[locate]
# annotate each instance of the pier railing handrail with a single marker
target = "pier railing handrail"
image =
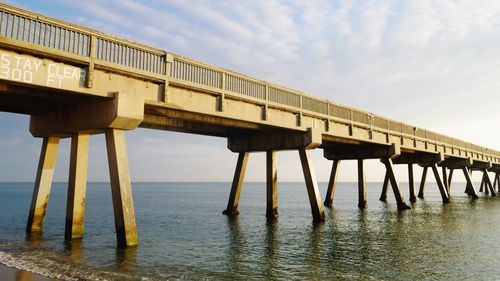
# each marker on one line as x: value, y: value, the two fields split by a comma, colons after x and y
x: 69, y: 42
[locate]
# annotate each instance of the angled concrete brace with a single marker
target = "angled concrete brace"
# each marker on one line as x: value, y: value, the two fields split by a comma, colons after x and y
x: 487, y: 183
x: 332, y: 183
x: 270, y: 143
x: 237, y: 185
x: 445, y: 179
x: 312, y: 185
x: 485, y: 180
x: 450, y: 177
x: 77, y: 186
x: 121, y: 189
x: 43, y: 184
x: 395, y: 185
x: 422, y: 183
x: 496, y: 182
x: 469, y: 188
x: 481, y: 187
x: 339, y: 152
x: 385, y: 187
x: 442, y: 188
x: 425, y: 160
x: 411, y: 185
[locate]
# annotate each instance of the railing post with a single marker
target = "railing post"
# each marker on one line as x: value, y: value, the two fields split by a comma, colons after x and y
x: 169, y: 59
x: 264, y: 113
x: 92, y: 55
x: 222, y: 92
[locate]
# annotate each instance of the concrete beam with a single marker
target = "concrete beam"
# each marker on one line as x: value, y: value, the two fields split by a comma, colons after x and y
x: 357, y: 152
x: 43, y: 184
x: 124, y: 112
x: 480, y: 166
x: 423, y: 159
x: 286, y: 140
x: 77, y: 186
x: 495, y: 168
x: 121, y: 189
x: 456, y: 163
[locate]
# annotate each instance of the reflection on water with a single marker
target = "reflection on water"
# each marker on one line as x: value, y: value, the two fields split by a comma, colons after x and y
x: 271, y: 248
x: 183, y: 236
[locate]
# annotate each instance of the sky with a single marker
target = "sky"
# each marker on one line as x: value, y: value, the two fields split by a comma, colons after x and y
x: 433, y: 64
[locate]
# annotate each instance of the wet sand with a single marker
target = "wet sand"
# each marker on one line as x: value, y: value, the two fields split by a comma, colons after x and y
x: 14, y: 274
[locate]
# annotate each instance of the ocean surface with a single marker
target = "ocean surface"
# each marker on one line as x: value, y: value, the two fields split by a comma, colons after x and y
x: 184, y: 236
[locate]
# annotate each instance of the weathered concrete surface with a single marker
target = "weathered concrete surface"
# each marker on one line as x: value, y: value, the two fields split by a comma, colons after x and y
x: 43, y: 184
x: 121, y: 189
x: 77, y: 186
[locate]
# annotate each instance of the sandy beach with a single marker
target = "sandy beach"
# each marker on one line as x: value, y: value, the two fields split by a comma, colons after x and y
x: 14, y: 274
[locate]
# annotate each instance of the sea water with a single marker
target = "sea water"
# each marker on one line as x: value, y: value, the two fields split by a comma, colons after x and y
x: 184, y: 236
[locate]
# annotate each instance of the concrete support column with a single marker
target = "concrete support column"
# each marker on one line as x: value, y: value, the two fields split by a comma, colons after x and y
x: 332, y: 184
x: 385, y: 187
x: 239, y: 175
x: 445, y: 180
x: 495, y: 181
x: 422, y: 183
x: 411, y: 182
x: 121, y: 190
x: 271, y: 185
x: 43, y: 184
x: 442, y: 188
x: 481, y: 187
x: 311, y: 185
x: 395, y: 185
x: 469, y: 188
x: 362, y: 203
x: 450, y: 177
x: 77, y: 186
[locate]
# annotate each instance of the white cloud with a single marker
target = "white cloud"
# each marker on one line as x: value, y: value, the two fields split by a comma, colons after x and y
x: 431, y: 63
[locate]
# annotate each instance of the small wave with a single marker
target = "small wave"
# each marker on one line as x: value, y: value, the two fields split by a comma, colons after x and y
x: 46, y: 264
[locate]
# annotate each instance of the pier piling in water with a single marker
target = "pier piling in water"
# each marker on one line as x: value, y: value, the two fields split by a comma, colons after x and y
x: 121, y: 189
x: 411, y: 183
x: 271, y: 185
x: 43, y: 184
x: 237, y: 185
x: 362, y: 202
x: 77, y: 186
x: 332, y: 183
x: 160, y: 90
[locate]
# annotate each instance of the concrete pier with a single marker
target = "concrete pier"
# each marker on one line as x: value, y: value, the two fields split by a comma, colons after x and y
x: 101, y: 90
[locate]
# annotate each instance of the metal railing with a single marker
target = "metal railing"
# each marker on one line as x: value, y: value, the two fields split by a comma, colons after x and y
x: 66, y: 39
